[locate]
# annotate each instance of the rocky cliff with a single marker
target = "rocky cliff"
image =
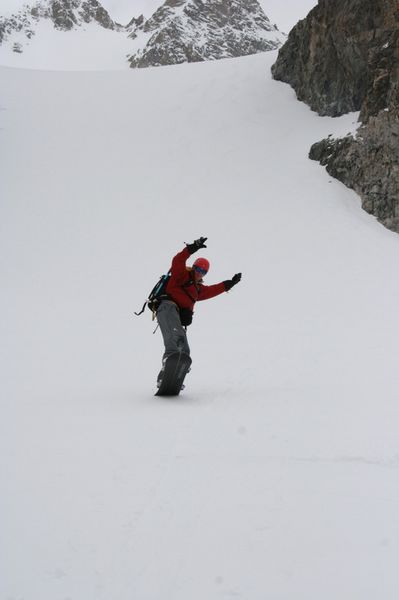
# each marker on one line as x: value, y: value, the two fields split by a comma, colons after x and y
x: 197, y: 30
x: 369, y: 164
x: 345, y: 57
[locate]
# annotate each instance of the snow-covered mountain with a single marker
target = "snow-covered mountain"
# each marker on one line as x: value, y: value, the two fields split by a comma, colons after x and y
x: 80, y: 34
x: 63, y: 35
x: 63, y: 14
x: 198, y: 30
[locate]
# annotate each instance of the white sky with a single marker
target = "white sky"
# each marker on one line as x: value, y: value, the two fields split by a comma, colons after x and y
x: 285, y: 13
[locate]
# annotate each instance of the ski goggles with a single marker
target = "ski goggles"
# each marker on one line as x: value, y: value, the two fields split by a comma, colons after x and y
x: 200, y: 270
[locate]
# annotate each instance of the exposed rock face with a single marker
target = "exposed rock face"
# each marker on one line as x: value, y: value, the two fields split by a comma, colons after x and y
x: 369, y: 164
x: 341, y: 54
x: 64, y: 14
x: 345, y: 57
x: 197, y: 30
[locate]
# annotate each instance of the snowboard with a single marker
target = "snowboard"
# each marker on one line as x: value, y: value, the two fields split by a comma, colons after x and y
x: 176, y: 368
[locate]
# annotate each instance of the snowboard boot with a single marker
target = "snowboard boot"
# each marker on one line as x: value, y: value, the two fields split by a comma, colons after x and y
x: 160, y: 374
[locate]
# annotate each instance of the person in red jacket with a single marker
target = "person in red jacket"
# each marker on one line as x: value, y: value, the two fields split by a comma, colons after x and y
x: 184, y: 289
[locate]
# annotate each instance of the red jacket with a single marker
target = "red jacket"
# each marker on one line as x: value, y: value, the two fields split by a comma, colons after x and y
x: 181, y: 287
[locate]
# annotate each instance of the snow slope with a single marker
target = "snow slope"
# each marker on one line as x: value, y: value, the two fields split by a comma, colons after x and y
x: 89, y: 47
x: 275, y: 474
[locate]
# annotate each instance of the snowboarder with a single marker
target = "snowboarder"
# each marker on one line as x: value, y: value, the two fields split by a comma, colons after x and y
x: 184, y: 288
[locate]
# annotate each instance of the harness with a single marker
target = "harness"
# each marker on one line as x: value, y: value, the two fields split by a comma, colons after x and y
x: 187, y: 285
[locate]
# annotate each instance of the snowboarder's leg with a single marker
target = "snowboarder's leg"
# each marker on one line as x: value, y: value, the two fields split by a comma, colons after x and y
x: 173, y: 333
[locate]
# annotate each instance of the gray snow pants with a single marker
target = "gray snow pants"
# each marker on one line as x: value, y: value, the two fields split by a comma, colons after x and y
x: 174, y: 336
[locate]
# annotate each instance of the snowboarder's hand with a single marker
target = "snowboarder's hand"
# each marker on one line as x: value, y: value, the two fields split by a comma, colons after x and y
x: 196, y: 245
x: 233, y: 281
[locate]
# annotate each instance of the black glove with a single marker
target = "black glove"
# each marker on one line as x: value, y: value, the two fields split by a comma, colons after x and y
x: 186, y: 316
x: 196, y: 245
x: 233, y: 281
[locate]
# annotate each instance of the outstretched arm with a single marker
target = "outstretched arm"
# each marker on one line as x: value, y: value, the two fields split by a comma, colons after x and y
x: 210, y: 291
x: 178, y: 268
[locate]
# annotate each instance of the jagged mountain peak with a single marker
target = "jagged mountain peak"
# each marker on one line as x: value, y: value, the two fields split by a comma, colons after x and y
x: 221, y: 12
x: 197, y: 30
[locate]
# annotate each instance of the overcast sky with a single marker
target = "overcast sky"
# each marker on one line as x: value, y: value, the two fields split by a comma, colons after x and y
x: 285, y: 13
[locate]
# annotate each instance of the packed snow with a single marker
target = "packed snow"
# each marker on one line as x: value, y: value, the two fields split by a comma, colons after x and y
x: 274, y: 475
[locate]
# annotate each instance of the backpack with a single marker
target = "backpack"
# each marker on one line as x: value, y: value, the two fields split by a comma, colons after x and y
x: 157, y: 294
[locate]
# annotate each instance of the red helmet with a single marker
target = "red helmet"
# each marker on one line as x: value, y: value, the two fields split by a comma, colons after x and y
x: 202, y: 265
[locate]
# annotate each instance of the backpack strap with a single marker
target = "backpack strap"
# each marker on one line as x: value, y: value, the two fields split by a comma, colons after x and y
x: 142, y: 310
x: 186, y: 285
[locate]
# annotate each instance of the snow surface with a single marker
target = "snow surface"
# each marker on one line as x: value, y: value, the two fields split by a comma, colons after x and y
x: 89, y: 47
x: 275, y: 474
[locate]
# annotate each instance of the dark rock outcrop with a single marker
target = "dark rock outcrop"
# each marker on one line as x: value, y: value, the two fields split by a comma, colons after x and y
x: 369, y: 164
x: 345, y: 57
x: 342, y: 56
x: 197, y: 30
